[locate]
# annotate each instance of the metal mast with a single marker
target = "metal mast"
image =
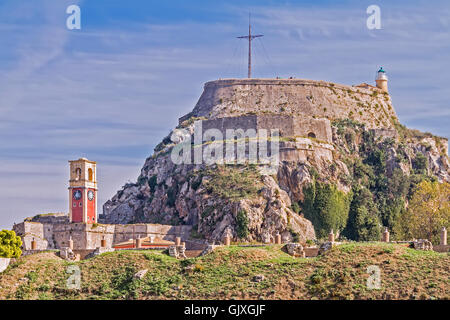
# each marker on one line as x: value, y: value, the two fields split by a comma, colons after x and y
x: 250, y: 37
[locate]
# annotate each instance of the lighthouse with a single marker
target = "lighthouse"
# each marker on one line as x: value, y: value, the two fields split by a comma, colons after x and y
x: 382, y: 80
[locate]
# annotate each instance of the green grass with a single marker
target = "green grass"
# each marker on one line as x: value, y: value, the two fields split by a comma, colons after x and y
x: 227, y: 273
x: 233, y: 182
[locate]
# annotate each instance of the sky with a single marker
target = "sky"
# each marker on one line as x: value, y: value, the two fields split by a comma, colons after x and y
x: 113, y: 89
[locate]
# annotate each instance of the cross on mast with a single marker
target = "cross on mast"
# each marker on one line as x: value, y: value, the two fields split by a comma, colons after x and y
x: 250, y: 37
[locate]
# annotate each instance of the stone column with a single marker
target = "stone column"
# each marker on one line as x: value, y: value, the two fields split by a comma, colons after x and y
x: 103, y: 243
x: 33, y: 244
x: 443, y: 236
x: 386, y: 235
x: 70, y: 243
x: 227, y: 240
x: 331, y: 236
x: 177, y: 241
x: 278, y: 238
x: 138, y: 243
x: 182, y: 251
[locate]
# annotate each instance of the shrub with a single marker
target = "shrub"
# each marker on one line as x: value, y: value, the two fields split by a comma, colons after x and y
x: 199, y: 268
x: 171, y: 197
x: 10, y: 244
x: 295, y: 235
x: 420, y: 164
x: 363, y: 221
x: 295, y: 207
x: 428, y: 212
x: 233, y: 182
x: 141, y: 180
x: 152, y: 182
x: 326, y: 207
x: 242, y: 224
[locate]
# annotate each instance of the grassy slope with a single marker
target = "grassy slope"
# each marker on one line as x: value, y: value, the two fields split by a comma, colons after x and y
x: 228, y: 272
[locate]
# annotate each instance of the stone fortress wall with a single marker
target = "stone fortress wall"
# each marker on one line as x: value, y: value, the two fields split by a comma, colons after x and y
x: 294, y: 97
x: 299, y: 129
x: 48, y: 235
x: 300, y: 109
x: 288, y: 126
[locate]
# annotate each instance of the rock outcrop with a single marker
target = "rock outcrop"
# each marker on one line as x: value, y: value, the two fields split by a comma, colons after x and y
x: 255, y: 202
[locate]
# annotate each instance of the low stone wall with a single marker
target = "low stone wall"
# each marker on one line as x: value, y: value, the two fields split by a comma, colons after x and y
x: 4, y: 263
x: 89, y: 237
x: 311, y: 252
x: 83, y: 253
x: 441, y: 248
x: 195, y: 244
x: 54, y: 218
x: 30, y: 252
x: 166, y: 232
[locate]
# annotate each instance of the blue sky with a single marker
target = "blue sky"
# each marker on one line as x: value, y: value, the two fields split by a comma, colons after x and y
x: 112, y: 90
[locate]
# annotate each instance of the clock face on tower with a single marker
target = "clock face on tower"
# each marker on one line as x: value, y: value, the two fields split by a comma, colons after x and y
x: 91, y: 195
x: 77, y: 194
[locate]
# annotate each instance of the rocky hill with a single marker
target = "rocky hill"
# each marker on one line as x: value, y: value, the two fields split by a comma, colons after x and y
x: 235, y: 273
x: 356, y: 146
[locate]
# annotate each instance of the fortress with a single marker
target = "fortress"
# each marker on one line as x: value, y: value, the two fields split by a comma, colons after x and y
x: 301, y: 110
x: 296, y: 97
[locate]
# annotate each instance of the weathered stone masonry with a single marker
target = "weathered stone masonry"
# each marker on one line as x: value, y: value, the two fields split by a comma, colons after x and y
x: 89, y: 237
x: 237, y: 97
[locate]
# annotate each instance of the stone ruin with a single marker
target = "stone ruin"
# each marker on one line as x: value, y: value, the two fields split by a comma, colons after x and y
x: 87, y: 240
x: 423, y: 244
x: 295, y: 250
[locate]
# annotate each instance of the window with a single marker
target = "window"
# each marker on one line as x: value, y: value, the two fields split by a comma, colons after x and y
x: 78, y: 174
x: 311, y: 135
x: 91, y: 174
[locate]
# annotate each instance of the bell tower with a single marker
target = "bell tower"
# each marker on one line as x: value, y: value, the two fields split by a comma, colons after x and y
x: 83, y: 191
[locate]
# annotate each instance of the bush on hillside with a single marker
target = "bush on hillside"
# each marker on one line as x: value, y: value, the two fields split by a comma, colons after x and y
x: 10, y: 244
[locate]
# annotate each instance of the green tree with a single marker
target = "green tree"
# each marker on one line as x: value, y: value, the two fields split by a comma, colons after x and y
x: 363, y: 221
x: 10, y: 244
x: 326, y: 207
x: 427, y: 213
x: 242, y: 224
x: 420, y: 163
x: 367, y: 225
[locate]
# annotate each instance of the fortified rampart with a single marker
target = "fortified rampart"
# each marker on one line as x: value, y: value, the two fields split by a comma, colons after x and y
x: 288, y: 126
x: 300, y: 137
x: 294, y: 97
x: 89, y: 236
